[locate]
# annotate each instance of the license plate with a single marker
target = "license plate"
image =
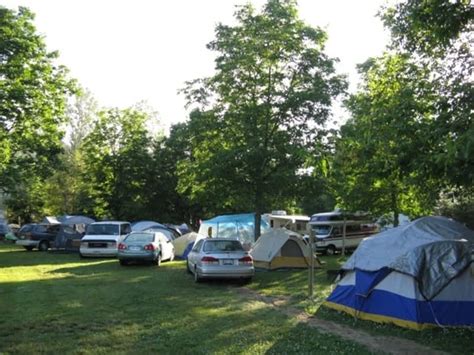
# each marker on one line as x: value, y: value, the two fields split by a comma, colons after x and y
x: 134, y: 248
x: 228, y: 262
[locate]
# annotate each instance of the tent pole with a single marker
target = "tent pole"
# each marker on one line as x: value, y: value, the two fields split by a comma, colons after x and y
x: 311, y: 267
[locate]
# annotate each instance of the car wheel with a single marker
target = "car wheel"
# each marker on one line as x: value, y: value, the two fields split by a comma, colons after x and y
x: 197, y: 278
x: 82, y: 256
x: 157, y: 261
x: 123, y: 262
x: 43, y: 246
x: 28, y: 248
x: 331, y: 250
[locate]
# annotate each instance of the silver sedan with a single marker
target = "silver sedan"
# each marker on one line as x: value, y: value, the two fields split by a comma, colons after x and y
x: 145, y: 246
x: 220, y: 258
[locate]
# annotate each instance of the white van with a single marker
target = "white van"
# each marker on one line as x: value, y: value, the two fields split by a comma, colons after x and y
x: 103, y: 238
x: 328, y: 229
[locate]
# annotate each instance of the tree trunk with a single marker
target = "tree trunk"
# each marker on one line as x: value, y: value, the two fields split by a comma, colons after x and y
x: 395, y: 209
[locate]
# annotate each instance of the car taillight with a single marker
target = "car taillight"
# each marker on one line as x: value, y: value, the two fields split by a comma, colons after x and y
x: 122, y: 246
x: 209, y: 260
x: 246, y: 260
x: 149, y: 247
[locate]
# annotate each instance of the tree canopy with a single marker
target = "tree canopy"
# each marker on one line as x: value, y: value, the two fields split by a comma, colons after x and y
x: 33, y: 93
x: 262, y: 111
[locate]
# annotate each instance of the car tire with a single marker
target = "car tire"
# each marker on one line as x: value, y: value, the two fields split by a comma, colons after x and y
x: 43, y: 246
x: 123, y: 262
x: 82, y: 256
x: 330, y: 250
x: 197, y: 278
x: 28, y: 248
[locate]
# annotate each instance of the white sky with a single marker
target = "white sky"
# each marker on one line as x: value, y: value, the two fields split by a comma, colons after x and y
x: 129, y: 51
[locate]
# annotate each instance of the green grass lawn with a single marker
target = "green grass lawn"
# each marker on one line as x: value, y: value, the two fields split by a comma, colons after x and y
x: 57, y: 303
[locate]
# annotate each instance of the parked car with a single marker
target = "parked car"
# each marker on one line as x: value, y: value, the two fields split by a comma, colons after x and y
x: 103, y: 238
x: 220, y: 258
x: 37, y: 235
x: 145, y: 246
x: 169, y: 233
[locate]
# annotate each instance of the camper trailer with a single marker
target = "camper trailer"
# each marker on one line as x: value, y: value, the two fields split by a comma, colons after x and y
x: 279, y: 219
x: 329, y: 228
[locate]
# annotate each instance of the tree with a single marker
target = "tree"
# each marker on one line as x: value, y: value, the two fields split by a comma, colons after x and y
x: 377, y: 166
x: 116, y: 157
x: 261, y: 111
x: 33, y: 93
x: 438, y: 36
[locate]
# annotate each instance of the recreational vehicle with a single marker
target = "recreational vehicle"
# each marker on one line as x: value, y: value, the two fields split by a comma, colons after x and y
x: 329, y: 228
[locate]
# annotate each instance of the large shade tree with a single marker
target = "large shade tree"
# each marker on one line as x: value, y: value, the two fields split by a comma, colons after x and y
x: 33, y: 94
x: 262, y: 111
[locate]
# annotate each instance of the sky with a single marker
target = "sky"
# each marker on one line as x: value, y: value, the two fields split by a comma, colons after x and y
x: 126, y: 52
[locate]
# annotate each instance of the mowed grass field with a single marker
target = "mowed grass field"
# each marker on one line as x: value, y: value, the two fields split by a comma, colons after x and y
x: 58, y: 303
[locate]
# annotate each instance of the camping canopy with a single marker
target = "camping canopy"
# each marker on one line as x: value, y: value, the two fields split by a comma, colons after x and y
x: 414, y: 275
x: 238, y: 226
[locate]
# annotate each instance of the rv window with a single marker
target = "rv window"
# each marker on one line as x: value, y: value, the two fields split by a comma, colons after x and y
x: 351, y: 228
x: 322, y: 230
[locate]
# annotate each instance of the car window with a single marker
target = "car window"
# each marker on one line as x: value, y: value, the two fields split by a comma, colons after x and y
x: 41, y: 229
x: 166, y: 232
x: 125, y: 229
x: 217, y: 246
x: 103, y: 229
x: 198, y: 245
x: 140, y: 238
x: 69, y: 230
x: 26, y: 228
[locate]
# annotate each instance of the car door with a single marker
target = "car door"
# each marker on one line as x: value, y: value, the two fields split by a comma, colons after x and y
x: 165, y: 246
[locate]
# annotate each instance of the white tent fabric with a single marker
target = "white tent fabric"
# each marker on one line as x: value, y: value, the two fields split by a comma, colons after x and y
x: 181, y: 243
x: 270, y: 243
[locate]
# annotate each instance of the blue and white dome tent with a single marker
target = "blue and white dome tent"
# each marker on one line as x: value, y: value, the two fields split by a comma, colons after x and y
x: 418, y: 275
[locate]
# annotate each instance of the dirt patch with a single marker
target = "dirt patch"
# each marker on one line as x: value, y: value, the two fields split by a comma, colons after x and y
x: 376, y: 344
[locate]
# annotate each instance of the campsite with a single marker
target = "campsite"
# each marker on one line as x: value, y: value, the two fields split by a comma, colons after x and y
x: 57, y: 303
x: 236, y: 177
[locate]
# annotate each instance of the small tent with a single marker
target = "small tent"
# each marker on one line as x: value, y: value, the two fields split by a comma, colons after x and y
x: 184, y: 244
x: 142, y: 225
x: 281, y: 248
x: 418, y: 275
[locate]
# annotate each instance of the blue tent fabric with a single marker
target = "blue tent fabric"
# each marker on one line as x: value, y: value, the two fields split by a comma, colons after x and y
x: 187, y: 251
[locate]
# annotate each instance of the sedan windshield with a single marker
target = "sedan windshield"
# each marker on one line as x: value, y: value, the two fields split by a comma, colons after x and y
x: 103, y: 229
x: 216, y: 246
x: 140, y: 238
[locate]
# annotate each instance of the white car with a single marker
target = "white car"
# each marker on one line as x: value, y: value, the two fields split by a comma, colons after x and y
x: 103, y: 238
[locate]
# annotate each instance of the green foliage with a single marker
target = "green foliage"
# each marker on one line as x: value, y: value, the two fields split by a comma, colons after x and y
x: 260, y: 113
x: 437, y: 34
x: 431, y: 26
x: 116, y: 159
x: 33, y: 91
x: 374, y: 168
